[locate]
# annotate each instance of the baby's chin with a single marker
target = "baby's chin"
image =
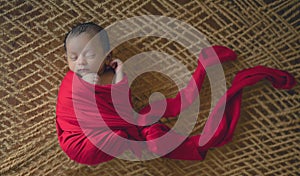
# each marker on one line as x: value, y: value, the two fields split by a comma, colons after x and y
x: 82, y: 73
x: 86, y: 74
x: 78, y: 74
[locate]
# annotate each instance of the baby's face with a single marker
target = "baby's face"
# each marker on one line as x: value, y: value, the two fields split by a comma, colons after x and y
x: 85, y: 54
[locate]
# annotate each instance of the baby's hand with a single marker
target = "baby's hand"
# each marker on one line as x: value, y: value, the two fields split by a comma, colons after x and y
x: 117, y: 65
x: 91, y: 78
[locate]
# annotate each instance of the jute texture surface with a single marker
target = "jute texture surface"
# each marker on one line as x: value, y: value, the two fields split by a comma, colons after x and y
x: 262, y: 32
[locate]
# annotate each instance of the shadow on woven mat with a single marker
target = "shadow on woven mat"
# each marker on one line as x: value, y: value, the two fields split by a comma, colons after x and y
x: 262, y: 32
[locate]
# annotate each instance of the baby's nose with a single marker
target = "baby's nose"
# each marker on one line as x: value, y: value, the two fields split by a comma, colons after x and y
x: 81, y: 60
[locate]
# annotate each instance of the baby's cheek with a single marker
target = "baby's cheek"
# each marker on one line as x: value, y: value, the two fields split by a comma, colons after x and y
x: 71, y: 66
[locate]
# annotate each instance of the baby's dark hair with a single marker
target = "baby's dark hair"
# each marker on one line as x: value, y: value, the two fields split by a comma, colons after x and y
x: 92, y: 29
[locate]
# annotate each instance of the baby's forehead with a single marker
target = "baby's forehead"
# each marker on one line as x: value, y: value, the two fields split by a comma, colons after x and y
x: 84, y: 38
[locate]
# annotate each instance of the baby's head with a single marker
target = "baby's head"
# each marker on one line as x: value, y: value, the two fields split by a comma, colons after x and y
x: 87, y: 45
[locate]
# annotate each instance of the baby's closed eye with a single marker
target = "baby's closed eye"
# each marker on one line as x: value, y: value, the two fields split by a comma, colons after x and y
x: 90, y: 54
x: 73, y: 58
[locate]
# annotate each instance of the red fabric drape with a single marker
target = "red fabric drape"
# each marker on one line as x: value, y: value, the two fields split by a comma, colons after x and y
x: 80, y: 103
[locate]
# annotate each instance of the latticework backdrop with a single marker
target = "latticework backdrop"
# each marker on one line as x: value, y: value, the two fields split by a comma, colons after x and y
x: 262, y: 32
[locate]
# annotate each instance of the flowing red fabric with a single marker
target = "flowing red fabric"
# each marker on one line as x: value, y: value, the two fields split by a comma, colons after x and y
x: 82, y: 133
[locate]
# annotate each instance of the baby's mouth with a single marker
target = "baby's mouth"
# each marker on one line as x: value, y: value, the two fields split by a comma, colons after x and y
x: 82, y: 72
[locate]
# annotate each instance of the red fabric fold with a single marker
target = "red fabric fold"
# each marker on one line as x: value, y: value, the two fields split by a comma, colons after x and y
x: 219, y: 134
x: 208, y: 57
x: 80, y: 104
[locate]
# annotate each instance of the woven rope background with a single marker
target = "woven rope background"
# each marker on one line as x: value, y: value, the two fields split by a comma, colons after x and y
x: 266, y: 140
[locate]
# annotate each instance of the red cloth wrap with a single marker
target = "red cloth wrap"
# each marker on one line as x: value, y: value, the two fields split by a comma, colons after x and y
x: 80, y: 101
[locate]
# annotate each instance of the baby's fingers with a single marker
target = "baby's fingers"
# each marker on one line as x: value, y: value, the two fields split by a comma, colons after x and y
x: 116, y: 64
